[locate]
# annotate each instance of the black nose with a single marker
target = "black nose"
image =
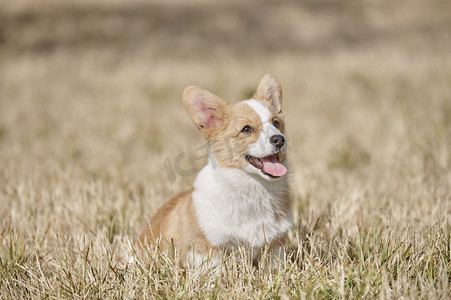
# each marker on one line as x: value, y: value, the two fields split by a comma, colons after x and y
x: 277, y: 140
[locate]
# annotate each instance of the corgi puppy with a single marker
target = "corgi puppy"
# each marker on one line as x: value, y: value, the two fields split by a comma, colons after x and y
x: 240, y: 198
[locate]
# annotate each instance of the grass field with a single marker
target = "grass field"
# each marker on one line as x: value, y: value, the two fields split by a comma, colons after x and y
x: 90, y: 111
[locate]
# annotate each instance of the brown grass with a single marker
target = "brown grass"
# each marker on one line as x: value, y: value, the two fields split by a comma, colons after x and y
x: 91, y: 109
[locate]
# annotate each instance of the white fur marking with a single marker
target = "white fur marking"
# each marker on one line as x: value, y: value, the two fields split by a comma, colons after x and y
x: 235, y: 208
x: 262, y: 111
x: 263, y: 146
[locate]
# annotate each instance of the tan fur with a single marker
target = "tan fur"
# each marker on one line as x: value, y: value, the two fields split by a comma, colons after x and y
x: 269, y: 91
x: 175, y: 223
x: 229, y: 144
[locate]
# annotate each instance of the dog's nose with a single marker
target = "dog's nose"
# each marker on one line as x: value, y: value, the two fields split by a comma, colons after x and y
x: 277, y: 140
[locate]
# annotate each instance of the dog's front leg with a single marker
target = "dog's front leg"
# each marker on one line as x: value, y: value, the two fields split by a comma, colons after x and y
x: 202, y: 262
x: 277, y: 258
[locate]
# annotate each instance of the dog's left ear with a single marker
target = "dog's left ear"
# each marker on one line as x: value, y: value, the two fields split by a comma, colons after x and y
x: 270, y: 91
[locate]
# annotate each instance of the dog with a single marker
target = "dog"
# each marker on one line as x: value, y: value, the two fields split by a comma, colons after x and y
x: 240, y: 199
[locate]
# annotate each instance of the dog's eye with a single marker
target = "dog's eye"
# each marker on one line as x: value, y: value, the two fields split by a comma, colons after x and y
x: 276, y: 124
x: 247, y: 129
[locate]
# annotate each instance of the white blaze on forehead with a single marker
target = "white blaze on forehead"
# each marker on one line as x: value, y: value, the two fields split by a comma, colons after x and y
x: 265, y: 116
x: 262, y: 111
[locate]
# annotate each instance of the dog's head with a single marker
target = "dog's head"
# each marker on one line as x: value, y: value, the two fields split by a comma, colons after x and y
x: 248, y: 135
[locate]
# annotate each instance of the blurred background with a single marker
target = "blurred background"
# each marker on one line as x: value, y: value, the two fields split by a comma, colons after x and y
x: 90, y: 104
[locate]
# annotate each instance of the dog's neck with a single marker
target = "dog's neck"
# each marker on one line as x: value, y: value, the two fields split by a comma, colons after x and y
x: 239, y: 204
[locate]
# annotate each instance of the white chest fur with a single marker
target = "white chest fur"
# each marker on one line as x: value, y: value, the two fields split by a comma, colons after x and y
x: 238, y: 209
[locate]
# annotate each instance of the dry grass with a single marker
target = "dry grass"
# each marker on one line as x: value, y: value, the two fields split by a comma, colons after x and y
x: 90, y: 110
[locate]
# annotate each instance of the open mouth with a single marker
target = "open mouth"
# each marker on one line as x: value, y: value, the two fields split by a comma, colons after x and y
x: 268, y: 165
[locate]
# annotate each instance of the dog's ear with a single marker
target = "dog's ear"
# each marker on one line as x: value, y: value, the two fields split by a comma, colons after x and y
x: 205, y: 109
x: 270, y: 91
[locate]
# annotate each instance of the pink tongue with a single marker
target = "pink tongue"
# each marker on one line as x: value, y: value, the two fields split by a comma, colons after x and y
x: 273, y: 167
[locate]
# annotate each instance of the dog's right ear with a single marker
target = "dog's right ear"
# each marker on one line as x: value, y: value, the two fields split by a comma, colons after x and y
x: 270, y: 91
x: 205, y: 109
